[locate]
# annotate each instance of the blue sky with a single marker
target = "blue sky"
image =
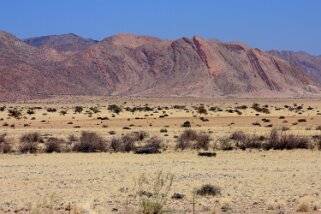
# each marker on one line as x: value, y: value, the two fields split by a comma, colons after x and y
x: 266, y: 24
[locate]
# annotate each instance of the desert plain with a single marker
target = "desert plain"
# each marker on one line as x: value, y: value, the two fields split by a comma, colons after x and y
x: 249, y: 180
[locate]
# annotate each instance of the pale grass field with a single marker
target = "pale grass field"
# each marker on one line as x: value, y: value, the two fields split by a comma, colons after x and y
x: 250, y: 181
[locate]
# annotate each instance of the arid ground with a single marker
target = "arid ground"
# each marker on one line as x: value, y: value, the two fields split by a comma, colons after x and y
x: 249, y: 181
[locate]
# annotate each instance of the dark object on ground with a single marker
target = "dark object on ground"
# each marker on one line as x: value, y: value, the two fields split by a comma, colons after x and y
x: 207, y: 154
x: 177, y: 196
x: 147, y: 150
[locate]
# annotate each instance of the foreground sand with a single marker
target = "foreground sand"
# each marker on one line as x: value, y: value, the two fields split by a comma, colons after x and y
x: 250, y: 181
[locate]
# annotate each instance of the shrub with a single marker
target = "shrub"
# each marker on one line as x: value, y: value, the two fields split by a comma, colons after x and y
x: 280, y: 142
x: 184, y: 140
x: 154, y: 142
x: 226, y: 145
x: 63, y: 112
x: 201, y: 110
x: 238, y: 136
x: 29, y: 142
x: 14, y: 113
x: 124, y: 144
x: 30, y: 111
x: 251, y: 142
x: 202, y: 141
x: 114, y: 108
x: 257, y: 108
x: 90, y: 142
x: 112, y: 132
x: 186, y: 124
x: 208, y: 190
x: 138, y: 136
x: 78, y: 109
x: 302, y: 120
x: 54, y: 145
x: 163, y: 130
x: 73, y: 138
x: 5, y: 144
x: 51, y: 109
x: 94, y: 109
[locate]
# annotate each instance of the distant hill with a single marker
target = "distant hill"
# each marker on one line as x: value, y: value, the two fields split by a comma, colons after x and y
x: 127, y: 64
x: 310, y: 65
x: 65, y: 42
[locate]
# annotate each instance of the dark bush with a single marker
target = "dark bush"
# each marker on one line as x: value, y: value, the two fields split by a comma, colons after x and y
x: 90, y: 142
x: 177, y: 196
x: 94, y: 109
x: 238, y: 136
x: 30, y: 111
x: 186, y: 124
x: 163, y: 130
x: 114, y: 108
x: 201, y: 110
x: 78, y: 109
x: 202, y: 141
x: 124, y: 144
x: 208, y: 190
x: 302, y: 120
x: 5, y: 144
x: 51, y: 109
x: 284, y: 141
x: 251, y: 142
x: 29, y: 142
x: 184, y: 141
x: 257, y: 108
x: 54, y: 145
x: 154, y: 142
x: 14, y: 113
x: 63, y: 112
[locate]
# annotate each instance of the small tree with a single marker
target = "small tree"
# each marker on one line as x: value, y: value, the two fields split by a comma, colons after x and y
x: 78, y: 109
x: 14, y: 113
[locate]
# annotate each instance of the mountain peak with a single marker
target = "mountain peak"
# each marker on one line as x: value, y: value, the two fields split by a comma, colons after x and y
x: 127, y: 64
x: 61, y: 43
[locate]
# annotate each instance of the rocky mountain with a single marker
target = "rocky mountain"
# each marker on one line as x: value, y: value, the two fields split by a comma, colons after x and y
x: 310, y: 65
x: 130, y: 65
x: 65, y: 42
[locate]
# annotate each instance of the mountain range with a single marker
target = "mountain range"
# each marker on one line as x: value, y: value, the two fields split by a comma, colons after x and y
x: 131, y: 65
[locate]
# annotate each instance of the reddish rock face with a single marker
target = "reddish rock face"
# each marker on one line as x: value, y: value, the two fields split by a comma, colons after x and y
x: 139, y: 65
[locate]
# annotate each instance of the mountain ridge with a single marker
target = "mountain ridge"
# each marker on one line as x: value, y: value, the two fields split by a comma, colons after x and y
x: 133, y: 65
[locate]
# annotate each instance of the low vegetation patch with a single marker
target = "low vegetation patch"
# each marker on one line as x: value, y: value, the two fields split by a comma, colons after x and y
x: 208, y: 190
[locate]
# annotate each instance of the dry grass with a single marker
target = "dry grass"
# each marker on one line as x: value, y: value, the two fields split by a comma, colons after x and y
x: 255, y: 181
x: 106, y: 181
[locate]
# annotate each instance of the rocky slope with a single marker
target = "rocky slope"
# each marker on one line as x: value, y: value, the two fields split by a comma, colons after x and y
x: 65, y: 42
x: 145, y: 66
x: 310, y: 65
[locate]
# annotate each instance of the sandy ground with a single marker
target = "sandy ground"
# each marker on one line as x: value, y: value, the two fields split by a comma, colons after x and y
x: 250, y: 181
x: 219, y: 123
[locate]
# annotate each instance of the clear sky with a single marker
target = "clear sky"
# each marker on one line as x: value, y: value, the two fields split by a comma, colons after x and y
x: 266, y: 24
